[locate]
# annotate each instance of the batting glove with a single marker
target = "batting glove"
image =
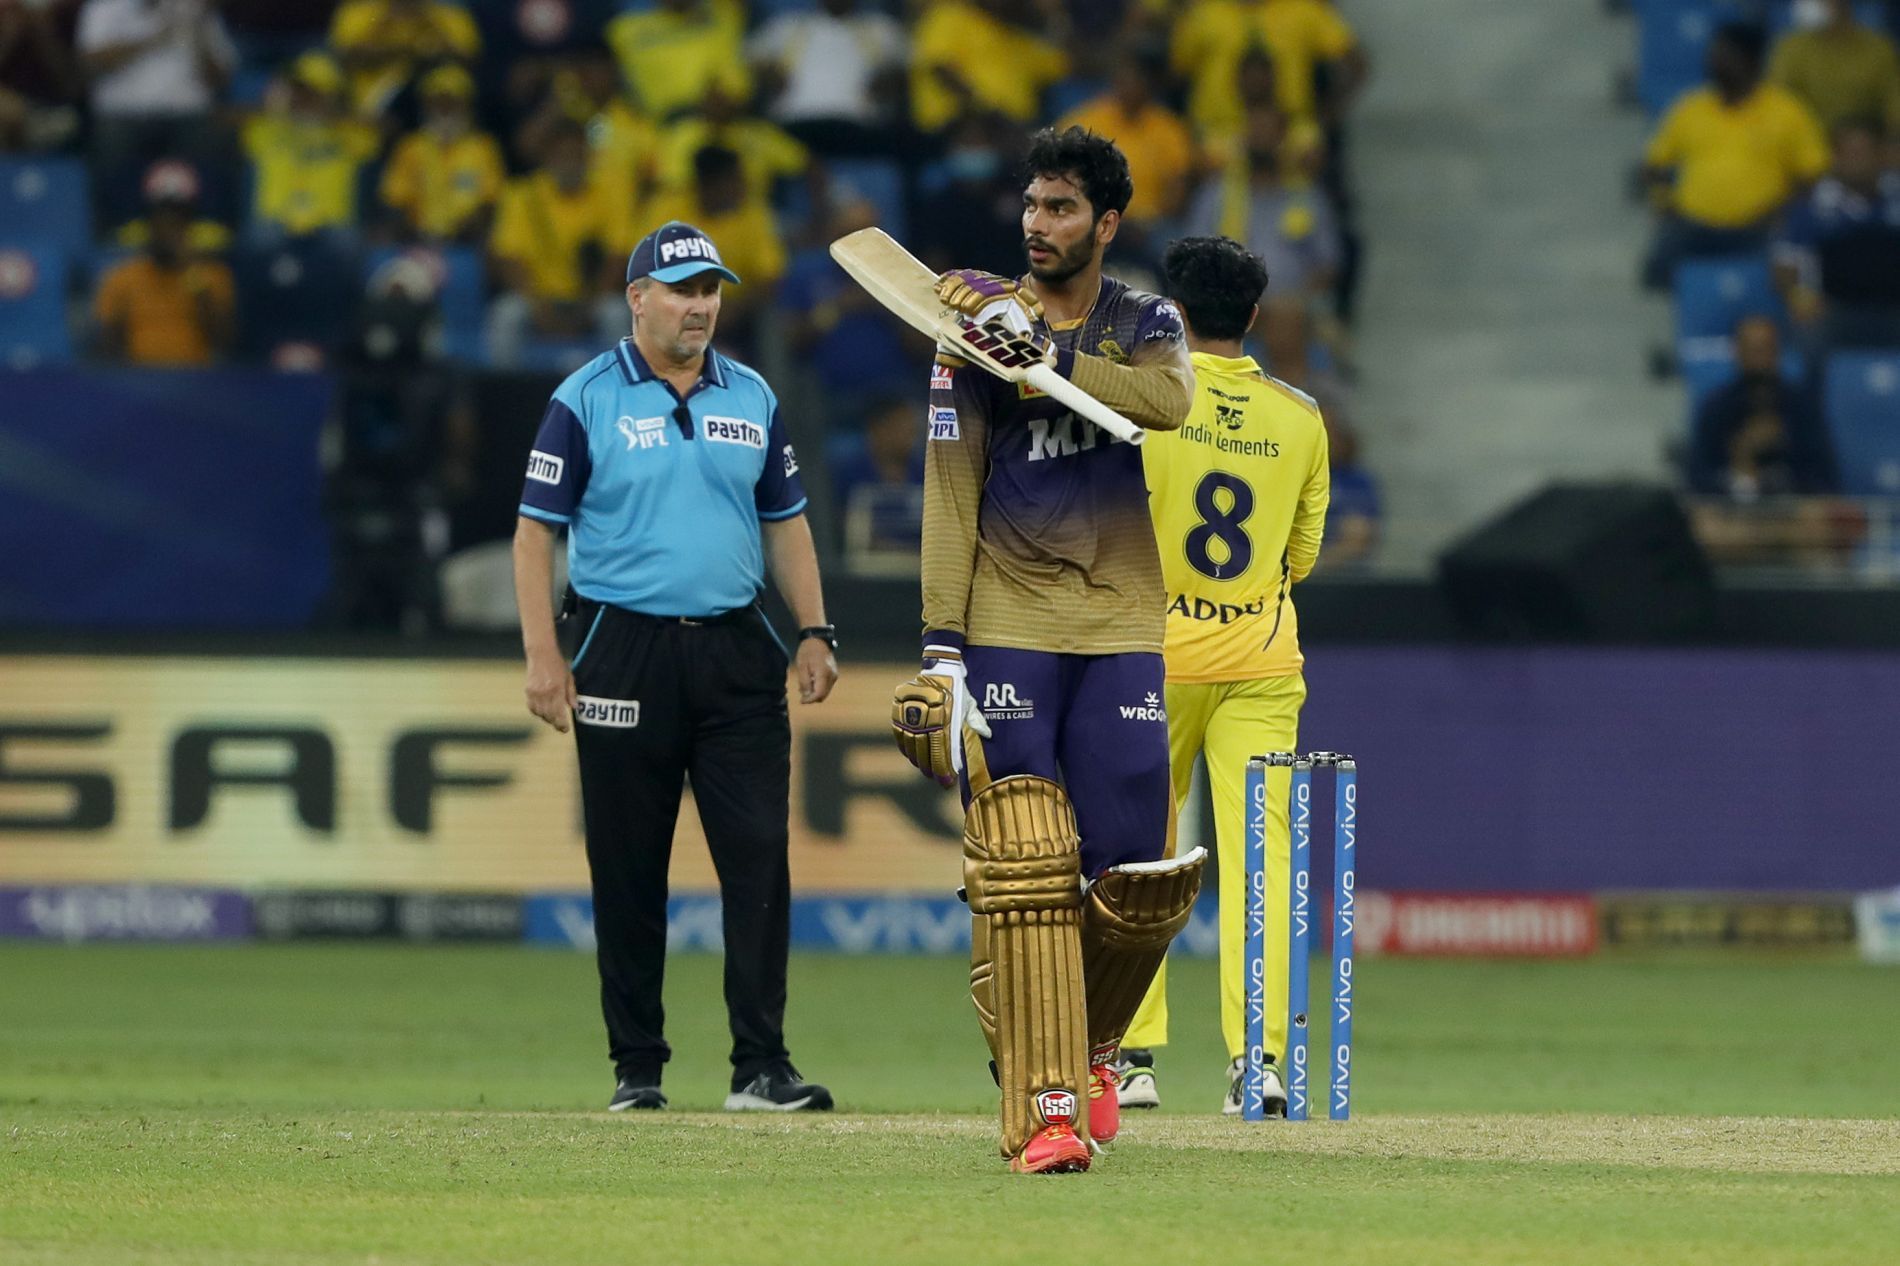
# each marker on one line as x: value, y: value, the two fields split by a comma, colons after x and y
x: 928, y: 716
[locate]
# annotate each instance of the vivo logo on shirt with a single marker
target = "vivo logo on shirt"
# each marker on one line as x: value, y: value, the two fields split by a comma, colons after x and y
x: 735, y: 431
x: 546, y: 467
x: 944, y: 425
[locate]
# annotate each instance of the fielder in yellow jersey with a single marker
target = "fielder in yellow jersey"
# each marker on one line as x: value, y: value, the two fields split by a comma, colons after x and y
x: 1238, y: 496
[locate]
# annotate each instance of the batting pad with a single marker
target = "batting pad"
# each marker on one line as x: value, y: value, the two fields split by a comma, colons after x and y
x: 1129, y: 917
x: 1022, y: 868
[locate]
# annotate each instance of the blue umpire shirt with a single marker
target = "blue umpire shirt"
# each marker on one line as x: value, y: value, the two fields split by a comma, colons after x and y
x: 663, y: 519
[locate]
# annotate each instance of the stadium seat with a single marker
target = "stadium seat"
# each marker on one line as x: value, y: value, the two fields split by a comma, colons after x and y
x: 1713, y: 294
x: 1862, y: 404
x: 880, y: 180
x: 1781, y: 15
x: 462, y: 294
x: 33, y: 307
x: 1672, y: 39
x: 44, y: 201
x: 1069, y: 93
x: 303, y: 291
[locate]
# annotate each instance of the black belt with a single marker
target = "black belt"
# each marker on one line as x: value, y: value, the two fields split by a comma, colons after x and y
x: 587, y: 607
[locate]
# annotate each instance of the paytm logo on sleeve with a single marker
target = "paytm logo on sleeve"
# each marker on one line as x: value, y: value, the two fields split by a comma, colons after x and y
x: 545, y: 468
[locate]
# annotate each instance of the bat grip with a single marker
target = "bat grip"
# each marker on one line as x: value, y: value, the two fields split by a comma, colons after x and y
x: 1046, y: 380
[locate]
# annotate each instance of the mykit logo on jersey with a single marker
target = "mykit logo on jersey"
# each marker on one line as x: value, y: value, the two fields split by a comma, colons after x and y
x: 612, y: 714
x: 1056, y: 1107
x: 1064, y: 436
x: 735, y: 431
x: 546, y: 468
x: 643, y: 434
x: 1001, y: 703
x: 944, y: 426
x: 1149, y: 709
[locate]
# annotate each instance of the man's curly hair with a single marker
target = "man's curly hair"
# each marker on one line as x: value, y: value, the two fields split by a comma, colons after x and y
x: 1094, y: 163
x: 1217, y: 282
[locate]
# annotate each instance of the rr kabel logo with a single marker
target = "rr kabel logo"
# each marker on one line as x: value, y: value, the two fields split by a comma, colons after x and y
x: 1001, y: 703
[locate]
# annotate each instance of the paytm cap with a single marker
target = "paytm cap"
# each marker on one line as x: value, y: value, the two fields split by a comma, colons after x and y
x: 674, y: 252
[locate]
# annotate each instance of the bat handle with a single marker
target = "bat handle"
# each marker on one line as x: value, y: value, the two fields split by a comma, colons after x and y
x: 1046, y: 380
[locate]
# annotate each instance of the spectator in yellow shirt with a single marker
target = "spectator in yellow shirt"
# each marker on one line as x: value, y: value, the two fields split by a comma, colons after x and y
x: 553, y: 253
x: 973, y: 57
x: 306, y: 156
x: 170, y: 305
x: 625, y: 144
x: 767, y: 152
x: 1731, y: 155
x: 443, y: 179
x: 742, y: 226
x: 673, y: 54
x: 1159, y: 147
x: 1302, y: 35
x: 1841, y: 69
x: 384, y: 43
x: 1304, y: 155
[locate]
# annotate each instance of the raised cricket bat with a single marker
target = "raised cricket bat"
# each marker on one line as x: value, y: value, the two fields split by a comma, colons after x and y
x: 901, y: 282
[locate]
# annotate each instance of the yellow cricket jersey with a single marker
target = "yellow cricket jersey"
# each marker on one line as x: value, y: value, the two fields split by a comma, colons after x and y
x: 438, y: 186
x: 1238, y: 496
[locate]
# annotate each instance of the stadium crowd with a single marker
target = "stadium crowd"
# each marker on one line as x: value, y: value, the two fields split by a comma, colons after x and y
x: 1774, y: 168
x: 374, y: 184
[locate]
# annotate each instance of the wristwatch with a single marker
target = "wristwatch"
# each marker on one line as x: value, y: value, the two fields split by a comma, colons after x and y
x: 826, y: 633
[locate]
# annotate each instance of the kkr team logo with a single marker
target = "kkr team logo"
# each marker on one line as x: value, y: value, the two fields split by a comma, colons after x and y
x: 643, y: 434
x: 1001, y: 703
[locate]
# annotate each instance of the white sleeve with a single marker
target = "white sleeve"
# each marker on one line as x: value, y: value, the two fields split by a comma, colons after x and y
x: 101, y: 22
x: 768, y: 43
x: 893, y: 48
x: 223, y: 51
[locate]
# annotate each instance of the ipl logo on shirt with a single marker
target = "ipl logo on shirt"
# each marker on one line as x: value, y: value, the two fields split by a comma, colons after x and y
x: 943, y: 425
x: 643, y: 434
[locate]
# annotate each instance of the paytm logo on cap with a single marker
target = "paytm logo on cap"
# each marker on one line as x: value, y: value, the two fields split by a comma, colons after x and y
x: 686, y: 248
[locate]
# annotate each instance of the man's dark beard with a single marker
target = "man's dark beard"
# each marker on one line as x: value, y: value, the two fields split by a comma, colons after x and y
x: 1068, y: 263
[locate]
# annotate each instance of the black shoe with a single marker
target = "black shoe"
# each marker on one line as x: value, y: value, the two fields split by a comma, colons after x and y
x: 779, y: 1089
x: 636, y: 1092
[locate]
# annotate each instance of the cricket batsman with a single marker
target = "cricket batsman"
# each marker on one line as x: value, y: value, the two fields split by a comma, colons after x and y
x: 1042, y: 676
x: 1239, y: 501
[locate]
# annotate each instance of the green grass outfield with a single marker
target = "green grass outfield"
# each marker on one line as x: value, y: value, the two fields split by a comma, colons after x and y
x: 332, y: 1104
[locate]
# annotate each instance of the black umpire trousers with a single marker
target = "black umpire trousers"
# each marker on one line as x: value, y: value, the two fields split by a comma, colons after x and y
x: 664, y: 700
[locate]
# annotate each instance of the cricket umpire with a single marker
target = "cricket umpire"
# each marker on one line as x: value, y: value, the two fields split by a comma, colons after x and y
x: 669, y: 466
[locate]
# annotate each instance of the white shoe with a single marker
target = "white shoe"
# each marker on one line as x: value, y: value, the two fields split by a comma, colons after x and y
x: 1236, y: 1084
x: 1136, y: 1069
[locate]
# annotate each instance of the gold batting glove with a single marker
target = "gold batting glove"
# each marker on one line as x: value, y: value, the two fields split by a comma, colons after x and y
x: 928, y: 716
x: 973, y: 292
